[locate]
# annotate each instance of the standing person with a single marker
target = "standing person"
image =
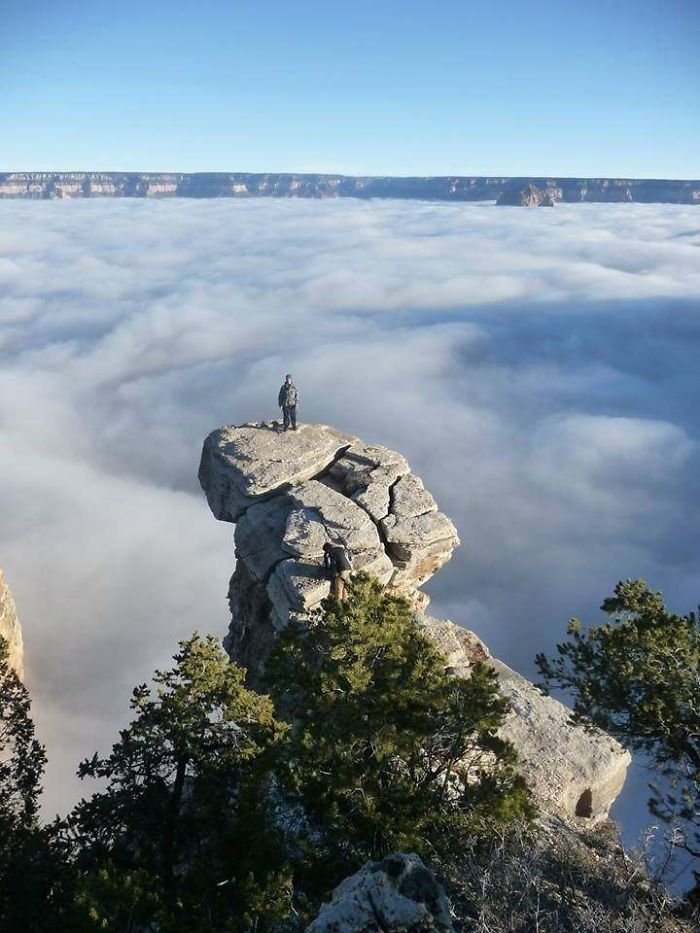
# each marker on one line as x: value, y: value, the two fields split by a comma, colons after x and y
x: 287, y: 400
x: 337, y: 566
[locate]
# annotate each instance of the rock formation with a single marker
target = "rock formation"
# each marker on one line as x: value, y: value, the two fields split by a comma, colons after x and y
x: 10, y: 628
x: 530, y: 196
x: 398, y: 895
x: 289, y: 493
x: 56, y: 185
x: 570, y: 771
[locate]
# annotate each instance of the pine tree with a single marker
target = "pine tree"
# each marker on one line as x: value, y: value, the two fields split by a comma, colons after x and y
x: 177, y: 836
x: 638, y: 677
x: 35, y: 886
x: 388, y: 751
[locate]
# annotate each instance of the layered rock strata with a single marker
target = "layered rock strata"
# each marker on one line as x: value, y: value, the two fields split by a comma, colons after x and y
x: 10, y: 628
x: 290, y: 493
x: 59, y: 185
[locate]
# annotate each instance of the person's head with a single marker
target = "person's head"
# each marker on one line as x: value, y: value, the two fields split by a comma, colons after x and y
x: 288, y: 378
x: 327, y: 547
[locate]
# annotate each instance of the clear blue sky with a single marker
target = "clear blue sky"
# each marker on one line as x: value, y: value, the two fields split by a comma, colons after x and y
x: 566, y: 87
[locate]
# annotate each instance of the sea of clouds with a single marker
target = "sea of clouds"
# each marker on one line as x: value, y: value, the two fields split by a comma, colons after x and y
x: 540, y: 370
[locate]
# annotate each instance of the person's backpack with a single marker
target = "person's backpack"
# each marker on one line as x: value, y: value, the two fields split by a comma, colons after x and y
x: 343, y: 559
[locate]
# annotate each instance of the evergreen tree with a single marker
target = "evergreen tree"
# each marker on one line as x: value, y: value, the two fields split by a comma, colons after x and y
x: 178, y: 837
x: 388, y: 751
x: 35, y: 889
x: 638, y: 677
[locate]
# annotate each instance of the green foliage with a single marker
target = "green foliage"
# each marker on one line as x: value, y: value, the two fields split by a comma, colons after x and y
x: 388, y: 751
x: 178, y: 835
x: 35, y: 891
x: 214, y: 814
x: 638, y: 677
x: 22, y: 757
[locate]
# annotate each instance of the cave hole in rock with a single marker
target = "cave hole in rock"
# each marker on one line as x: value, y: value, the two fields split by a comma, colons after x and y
x: 584, y: 807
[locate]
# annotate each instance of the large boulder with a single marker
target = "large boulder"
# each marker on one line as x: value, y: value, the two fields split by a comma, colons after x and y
x: 10, y: 628
x: 397, y: 895
x: 243, y: 464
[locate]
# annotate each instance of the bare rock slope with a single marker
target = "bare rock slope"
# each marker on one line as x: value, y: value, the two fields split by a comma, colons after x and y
x: 10, y: 628
x: 289, y: 493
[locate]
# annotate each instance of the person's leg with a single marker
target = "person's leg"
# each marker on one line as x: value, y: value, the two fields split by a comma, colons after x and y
x: 293, y: 416
x: 335, y: 586
x: 343, y: 585
x: 285, y: 412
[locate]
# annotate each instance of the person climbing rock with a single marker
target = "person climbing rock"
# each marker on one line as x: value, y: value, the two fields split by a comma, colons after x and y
x: 287, y: 400
x: 337, y: 565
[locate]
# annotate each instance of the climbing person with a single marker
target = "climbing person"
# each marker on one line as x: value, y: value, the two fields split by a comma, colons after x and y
x: 287, y: 400
x: 337, y: 565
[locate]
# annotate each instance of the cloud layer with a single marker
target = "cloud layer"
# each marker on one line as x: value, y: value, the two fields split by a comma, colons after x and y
x: 537, y: 368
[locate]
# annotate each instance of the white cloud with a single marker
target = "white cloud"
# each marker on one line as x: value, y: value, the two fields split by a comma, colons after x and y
x: 538, y: 368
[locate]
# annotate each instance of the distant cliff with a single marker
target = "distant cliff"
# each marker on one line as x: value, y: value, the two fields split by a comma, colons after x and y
x: 51, y: 185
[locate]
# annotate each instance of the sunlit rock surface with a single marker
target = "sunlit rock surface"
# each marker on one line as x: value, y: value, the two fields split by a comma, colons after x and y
x: 290, y: 493
x: 241, y: 465
x: 10, y: 628
x: 531, y: 195
x: 570, y: 770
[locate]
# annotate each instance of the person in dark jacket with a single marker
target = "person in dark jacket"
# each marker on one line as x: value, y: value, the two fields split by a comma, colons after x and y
x: 287, y: 400
x: 337, y: 566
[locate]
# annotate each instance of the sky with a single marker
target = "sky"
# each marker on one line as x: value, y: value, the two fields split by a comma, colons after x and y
x: 399, y: 87
x: 538, y: 369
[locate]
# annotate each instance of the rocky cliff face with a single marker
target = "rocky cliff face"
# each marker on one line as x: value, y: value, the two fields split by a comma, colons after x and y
x: 10, y: 628
x: 289, y: 493
x: 50, y: 185
x: 530, y: 196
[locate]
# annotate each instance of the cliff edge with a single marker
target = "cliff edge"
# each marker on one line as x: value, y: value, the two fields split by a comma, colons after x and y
x: 290, y: 493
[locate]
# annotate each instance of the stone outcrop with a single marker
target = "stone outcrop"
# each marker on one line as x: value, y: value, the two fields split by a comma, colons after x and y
x: 246, y: 464
x: 398, y: 895
x: 10, y: 628
x: 571, y: 771
x: 290, y: 493
x: 57, y: 185
x: 530, y: 195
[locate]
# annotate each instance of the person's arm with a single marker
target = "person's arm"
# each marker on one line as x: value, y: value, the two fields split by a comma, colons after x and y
x: 280, y: 398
